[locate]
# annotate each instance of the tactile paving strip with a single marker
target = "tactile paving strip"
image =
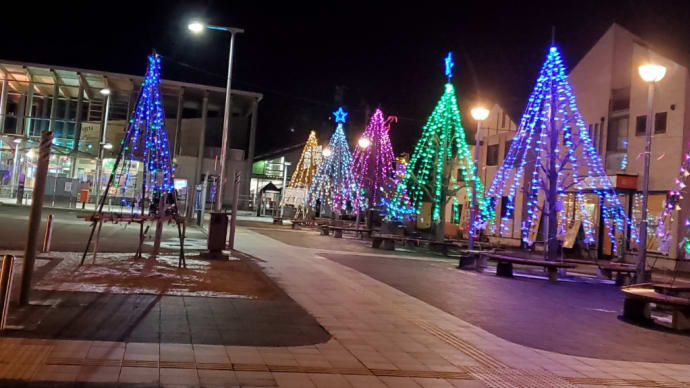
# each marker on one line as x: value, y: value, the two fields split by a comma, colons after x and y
x: 624, y: 382
x: 517, y: 378
x: 480, y: 356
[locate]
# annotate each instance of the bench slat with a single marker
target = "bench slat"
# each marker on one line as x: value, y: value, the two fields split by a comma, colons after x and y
x: 650, y: 295
x: 519, y: 260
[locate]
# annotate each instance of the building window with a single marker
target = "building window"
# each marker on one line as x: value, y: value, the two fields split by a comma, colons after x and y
x: 640, y: 124
x: 504, y: 208
x: 459, y: 177
x: 617, y: 137
x: 457, y: 213
x: 492, y: 155
x: 660, y: 122
x: 507, y: 148
x: 590, y: 130
x: 503, y: 121
x: 595, y: 136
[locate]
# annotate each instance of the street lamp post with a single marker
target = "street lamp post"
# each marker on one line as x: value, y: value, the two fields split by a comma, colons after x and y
x: 651, y: 74
x: 198, y: 27
x: 102, y: 144
x: 363, y: 143
x: 480, y: 114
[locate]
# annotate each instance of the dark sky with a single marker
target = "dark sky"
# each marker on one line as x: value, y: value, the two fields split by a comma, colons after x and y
x: 384, y: 55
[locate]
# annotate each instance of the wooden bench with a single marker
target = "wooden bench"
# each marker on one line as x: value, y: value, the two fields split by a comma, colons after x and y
x: 388, y: 241
x: 504, y: 265
x: 338, y: 231
x: 638, y: 297
x: 624, y: 272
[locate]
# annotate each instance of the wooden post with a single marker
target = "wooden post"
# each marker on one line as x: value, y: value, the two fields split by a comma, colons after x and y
x: 35, y: 215
x: 159, y: 226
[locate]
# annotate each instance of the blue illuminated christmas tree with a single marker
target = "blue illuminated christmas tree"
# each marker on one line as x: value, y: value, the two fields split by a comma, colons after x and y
x: 334, y: 185
x: 440, y: 152
x: 552, y: 157
x: 145, y: 144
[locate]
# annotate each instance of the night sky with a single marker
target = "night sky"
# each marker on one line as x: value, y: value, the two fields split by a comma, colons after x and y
x: 376, y: 55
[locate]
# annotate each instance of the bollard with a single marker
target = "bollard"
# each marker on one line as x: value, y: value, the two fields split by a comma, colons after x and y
x: 48, y: 235
x: 6, y: 270
x: 35, y: 216
x: 233, y: 216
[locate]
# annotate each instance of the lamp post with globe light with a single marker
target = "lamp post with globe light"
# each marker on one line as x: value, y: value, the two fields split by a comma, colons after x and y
x: 102, y: 144
x: 363, y: 143
x: 651, y: 74
x: 479, y: 114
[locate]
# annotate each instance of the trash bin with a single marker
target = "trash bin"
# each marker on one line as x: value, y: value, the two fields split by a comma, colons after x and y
x: 217, y: 232
x: 84, y: 196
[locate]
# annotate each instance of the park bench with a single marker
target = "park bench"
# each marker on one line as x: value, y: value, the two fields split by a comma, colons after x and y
x: 638, y: 297
x: 504, y: 264
x: 388, y: 241
x: 443, y: 246
x: 338, y: 231
x: 624, y: 272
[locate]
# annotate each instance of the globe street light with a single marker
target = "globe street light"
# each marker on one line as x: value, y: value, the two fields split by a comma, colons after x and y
x: 364, y: 143
x: 198, y: 27
x: 650, y: 73
x: 326, y: 152
x: 480, y: 114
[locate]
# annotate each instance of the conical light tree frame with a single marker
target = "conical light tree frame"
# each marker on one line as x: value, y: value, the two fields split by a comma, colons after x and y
x: 307, y: 165
x: 334, y: 184
x: 552, y: 155
x: 439, y: 153
x: 373, y: 164
x: 146, y: 141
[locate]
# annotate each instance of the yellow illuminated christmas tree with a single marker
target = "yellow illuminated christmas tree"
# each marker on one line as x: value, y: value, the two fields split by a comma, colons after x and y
x: 304, y: 172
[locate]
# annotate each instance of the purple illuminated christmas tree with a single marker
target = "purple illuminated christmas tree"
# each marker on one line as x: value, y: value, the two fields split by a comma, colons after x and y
x: 551, y: 159
x: 373, y: 162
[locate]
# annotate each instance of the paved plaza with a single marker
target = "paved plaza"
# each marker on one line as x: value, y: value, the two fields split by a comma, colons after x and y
x: 385, y: 328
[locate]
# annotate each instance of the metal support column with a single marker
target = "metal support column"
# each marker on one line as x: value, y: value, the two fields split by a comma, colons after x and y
x: 177, y: 142
x: 3, y: 103
x: 200, y: 149
x: 250, y: 150
x: 77, y: 130
x: 53, y: 105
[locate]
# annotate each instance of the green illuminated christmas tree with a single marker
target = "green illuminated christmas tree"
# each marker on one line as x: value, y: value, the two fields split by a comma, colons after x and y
x: 440, y: 151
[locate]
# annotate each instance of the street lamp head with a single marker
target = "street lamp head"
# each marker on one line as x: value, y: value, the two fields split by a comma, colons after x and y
x: 196, y: 27
x: 479, y: 113
x: 105, y: 91
x: 364, y: 142
x: 326, y: 152
x: 17, y: 140
x: 108, y: 146
x: 652, y: 73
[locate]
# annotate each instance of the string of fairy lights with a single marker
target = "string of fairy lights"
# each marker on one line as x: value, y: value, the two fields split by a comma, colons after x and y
x: 146, y: 141
x: 372, y: 164
x: 552, y: 113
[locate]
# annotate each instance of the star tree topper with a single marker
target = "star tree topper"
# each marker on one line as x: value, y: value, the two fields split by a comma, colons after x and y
x: 340, y: 115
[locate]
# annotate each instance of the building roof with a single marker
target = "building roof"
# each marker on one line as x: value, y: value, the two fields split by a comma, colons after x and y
x: 68, y: 79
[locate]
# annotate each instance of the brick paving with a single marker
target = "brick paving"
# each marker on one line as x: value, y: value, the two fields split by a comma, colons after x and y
x: 168, y: 319
x: 381, y: 337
